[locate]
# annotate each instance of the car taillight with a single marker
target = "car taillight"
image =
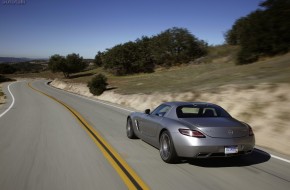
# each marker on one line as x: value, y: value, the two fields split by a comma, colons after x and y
x: 191, y: 133
x: 251, y: 133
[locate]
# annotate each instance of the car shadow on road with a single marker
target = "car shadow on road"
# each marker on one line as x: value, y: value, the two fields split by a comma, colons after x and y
x: 256, y: 157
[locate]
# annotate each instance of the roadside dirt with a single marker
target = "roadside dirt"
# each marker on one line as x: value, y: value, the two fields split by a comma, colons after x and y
x: 266, y: 107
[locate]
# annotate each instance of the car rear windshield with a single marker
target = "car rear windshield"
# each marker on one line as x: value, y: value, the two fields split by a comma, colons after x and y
x: 191, y: 111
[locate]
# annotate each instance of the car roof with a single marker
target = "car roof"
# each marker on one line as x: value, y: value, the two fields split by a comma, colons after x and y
x: 187, y: 103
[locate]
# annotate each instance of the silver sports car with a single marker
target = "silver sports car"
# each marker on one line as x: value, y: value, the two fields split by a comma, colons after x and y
x: 191, y: 129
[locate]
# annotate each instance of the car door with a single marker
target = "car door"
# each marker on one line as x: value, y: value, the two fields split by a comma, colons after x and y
x: 153, y: 121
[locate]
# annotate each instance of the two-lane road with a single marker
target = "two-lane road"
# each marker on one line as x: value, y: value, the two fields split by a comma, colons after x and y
x: 43, y: 146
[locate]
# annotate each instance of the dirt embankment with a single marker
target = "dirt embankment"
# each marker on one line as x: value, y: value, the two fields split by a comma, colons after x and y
x: 266, y: 107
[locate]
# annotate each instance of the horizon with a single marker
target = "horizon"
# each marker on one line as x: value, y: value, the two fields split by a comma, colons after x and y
x: 39, y: 29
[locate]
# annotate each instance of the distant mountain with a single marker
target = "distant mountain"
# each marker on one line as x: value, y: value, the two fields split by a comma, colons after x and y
x: 16, y: 60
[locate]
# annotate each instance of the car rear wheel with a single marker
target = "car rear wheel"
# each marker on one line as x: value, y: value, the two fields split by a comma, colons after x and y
x: 167, y: 150
x: 129, y: 129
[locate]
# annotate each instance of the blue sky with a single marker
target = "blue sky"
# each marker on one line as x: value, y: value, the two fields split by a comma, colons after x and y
x: 41, y: 28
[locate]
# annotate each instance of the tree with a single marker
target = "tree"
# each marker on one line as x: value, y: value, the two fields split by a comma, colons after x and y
x: 57, y: 63
x: 119, y: 59
x: 129, y: 58
x: 73, y: 63
x: 98, y: 59
x: 262, y: 32
x: 171, y: 47
x: 98, y: 84
x: 176, y: 45
x: 145, y: 60
x: 233, y: 36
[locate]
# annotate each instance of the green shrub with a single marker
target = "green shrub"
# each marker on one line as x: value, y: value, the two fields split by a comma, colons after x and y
x: 6, y: 68
x: 98, y: 84
x: 4, y: 79
x: 246, y: 57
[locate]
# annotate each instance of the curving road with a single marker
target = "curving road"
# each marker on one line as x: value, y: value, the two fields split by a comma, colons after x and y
x: 44, y: 146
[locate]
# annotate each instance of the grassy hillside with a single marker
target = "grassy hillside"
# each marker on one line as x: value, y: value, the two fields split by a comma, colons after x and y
x: 218, y: 68
x: 207, y: 73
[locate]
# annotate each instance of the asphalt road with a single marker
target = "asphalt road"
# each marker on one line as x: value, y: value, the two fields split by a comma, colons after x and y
x: 43, y: 146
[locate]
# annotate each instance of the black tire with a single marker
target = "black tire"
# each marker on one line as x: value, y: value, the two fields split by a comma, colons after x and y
x: 130, y: 130
x: 166, y: 148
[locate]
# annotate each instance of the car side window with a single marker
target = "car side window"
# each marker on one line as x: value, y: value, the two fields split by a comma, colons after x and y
x: 161, y: 110
x: 209, y: 112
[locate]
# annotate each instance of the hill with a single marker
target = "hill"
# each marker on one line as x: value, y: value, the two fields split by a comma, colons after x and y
x: 13, y: 59
x: 216, y: 69
x: 18, y: 60
x: 258, y: 94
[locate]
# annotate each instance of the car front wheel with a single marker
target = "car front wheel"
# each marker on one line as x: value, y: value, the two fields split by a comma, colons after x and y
x: 167, y: 150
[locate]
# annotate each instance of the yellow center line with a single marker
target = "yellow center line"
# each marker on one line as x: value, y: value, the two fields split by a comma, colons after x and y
x: 127, y: 174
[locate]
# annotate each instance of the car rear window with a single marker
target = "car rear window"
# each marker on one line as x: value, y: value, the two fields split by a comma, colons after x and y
x: 190, y: 111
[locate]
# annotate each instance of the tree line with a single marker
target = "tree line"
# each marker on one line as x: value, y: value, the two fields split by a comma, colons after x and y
x: 170, y: 47
x: 22, y: 67
x: 264, y: 32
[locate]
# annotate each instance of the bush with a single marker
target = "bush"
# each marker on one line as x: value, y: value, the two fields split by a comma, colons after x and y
x: 4, y: 79
x: 98, y: 84
x: 246, y: 57
x: 7, y: 69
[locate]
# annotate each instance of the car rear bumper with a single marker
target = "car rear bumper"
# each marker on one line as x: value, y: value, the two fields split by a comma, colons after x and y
x: 210, y: 147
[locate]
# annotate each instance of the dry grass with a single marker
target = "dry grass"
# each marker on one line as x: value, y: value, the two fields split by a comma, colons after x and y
x: 201, y: 77
x: 44, y: 74
x: 205, y: 77
x: 215, y: 70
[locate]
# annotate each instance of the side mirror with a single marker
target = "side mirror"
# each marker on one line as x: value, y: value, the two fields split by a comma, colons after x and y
x: 147, y: 111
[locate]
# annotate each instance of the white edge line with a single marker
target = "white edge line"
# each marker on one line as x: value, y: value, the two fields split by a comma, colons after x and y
x: 273, y: 156
x: 279, y: 158
x: 13, y: 101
